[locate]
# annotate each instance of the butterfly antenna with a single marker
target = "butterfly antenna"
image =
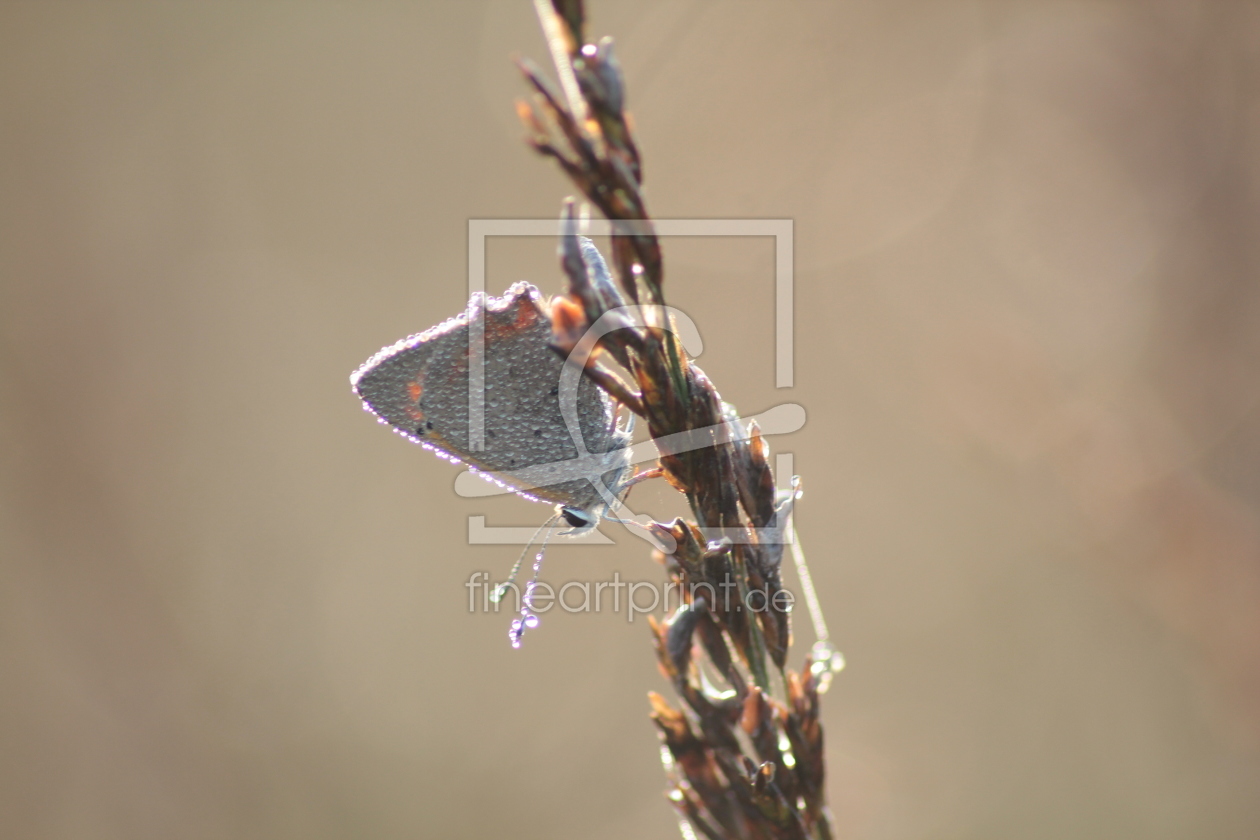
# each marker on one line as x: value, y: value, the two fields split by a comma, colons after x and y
x: 527, y: 618
x: 501, y: 591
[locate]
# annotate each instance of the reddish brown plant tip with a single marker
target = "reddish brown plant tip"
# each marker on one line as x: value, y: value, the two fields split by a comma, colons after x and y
x: 750, y: 719
x: 568, y: 324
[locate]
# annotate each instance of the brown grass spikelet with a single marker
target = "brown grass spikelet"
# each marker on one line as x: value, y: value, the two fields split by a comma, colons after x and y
x: 742, y: 764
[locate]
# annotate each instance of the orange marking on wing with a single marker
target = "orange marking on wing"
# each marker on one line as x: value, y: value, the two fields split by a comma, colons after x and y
x: 525, y: 316
x: 503, y: 324
x: 414, y: 391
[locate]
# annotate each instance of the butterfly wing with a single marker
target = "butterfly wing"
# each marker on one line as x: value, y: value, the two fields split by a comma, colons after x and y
x: 420, y: 387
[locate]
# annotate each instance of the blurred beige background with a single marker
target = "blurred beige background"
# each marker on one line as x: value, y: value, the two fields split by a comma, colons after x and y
x: 1028, y: 338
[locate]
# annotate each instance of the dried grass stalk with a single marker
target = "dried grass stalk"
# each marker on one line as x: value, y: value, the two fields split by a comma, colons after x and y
x: 742, y: 763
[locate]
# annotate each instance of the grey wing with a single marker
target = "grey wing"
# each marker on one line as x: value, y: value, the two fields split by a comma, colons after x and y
x: 391, y: 382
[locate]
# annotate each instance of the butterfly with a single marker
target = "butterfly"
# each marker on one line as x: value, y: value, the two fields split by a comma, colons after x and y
x: 547, y: 434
